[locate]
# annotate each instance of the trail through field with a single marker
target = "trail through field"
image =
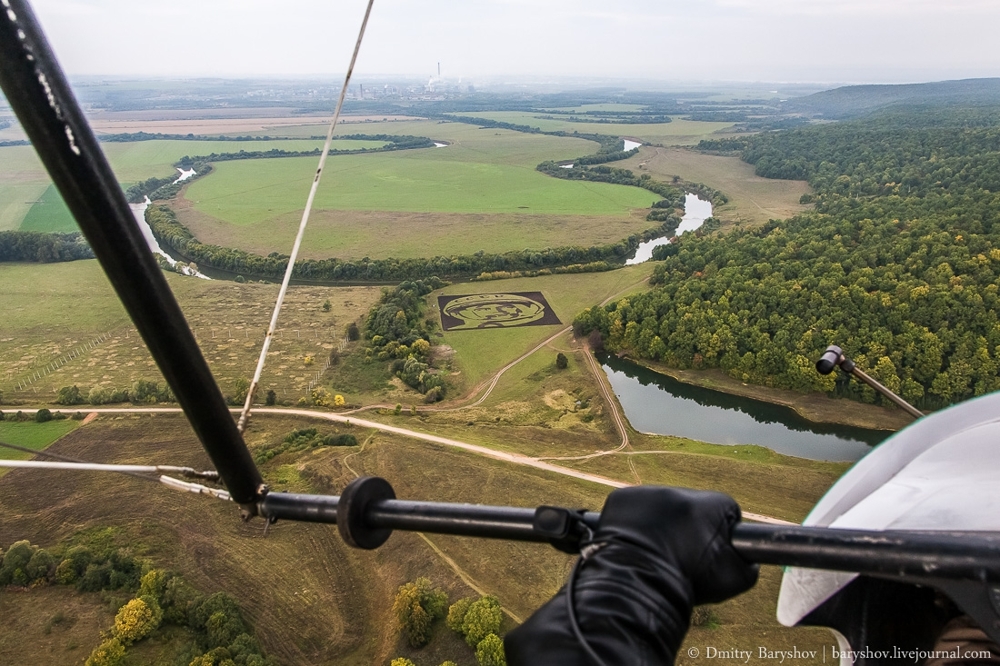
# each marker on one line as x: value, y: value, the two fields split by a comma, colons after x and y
x: 466, y: 578
x: 512, y: 458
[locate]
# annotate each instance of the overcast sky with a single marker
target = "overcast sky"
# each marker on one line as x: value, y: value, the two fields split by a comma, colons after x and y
x: 864, y: 41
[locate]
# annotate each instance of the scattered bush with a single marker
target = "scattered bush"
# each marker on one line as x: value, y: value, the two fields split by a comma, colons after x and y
x: 482, y: 619
x: 489, y: 652
x: 456, y: 614
x: 109, y: 653
x: 69, y: 395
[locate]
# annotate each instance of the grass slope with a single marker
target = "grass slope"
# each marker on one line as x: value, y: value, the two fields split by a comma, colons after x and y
x: 312, y: 599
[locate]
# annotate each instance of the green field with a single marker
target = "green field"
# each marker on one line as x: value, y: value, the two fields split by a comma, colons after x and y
x: 480, y: 192
x: 29, y: 201
x: 480, y: 353
x: 49, y: 214
x: 30, y: 435
x: 680, y: 132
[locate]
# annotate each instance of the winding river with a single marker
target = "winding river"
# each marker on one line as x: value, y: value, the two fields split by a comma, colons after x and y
x: 696, y: 211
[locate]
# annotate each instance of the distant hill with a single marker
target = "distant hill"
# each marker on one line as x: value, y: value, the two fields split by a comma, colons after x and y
x: 850, y: 101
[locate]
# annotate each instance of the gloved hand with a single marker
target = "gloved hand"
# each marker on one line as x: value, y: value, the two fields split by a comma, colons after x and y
x: 656, y: 554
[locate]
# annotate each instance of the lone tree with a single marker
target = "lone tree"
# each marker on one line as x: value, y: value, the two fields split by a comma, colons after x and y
x: 561, y: 361
x: 352, y: 332
x: 416, y: 607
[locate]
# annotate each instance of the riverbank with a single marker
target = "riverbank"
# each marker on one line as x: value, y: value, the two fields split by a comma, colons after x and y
x: 812, y: 406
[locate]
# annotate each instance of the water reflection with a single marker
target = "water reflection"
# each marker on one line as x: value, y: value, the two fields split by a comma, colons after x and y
x: 659, y: 404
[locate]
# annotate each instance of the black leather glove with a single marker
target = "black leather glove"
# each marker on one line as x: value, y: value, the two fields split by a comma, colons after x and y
x: 656, y: 554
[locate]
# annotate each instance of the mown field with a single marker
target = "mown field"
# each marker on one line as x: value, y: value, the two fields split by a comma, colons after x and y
x: 752, y: 199
x: 29, y: 201
x: 480, y: 192
x: 480, y: 353
x: 313, y: 600
x: 679, y: 132
x: 54, y: 310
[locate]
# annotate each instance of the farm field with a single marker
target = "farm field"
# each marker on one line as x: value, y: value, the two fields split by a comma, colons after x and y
x: 29, y: 201
x: 416, y: 203
x: 480, y: 353
x: 229, y: 321
x: 752, y: 199
x: 679, y: 132
x: 334, y: 605
x: 31, y: 435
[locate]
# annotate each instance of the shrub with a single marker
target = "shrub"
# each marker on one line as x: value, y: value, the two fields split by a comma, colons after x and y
x: 179, y: 599
x: 136, y: 620
x: 271, y: 398
x: 69, y: 395
x: 416, y: 607
x: 489, y: 652
x: 153, y: 584
x: 401, y: 661
x: 43, y: 415
x: 456, y: 614
x: 109, y: 653
x: 482, y: 619
x: 352, y: 332
x: 561, y: 361
x: 41, y: 565
x: 15, y: 563
x: 338, y: 400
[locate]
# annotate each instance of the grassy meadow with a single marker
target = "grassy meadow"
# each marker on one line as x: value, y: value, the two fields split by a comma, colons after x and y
x: 416, y: 203
x: 480, y: 353
x: 312, y: 599
x: 752, y: 199
x: 52, y: 310
x: 29, y: 201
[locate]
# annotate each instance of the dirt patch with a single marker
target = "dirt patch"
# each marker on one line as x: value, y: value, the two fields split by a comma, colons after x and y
x: 89, y: 418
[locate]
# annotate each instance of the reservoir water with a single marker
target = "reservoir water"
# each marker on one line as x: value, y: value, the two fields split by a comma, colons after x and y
x: 662, y: 405
x: 696, y: 211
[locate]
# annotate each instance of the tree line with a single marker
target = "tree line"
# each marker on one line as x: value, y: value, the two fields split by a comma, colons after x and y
x: 171, y: 233
x: 44, y: 248
x: 899, y: 264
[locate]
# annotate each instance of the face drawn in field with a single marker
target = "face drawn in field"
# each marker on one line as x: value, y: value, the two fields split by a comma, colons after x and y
x: 477, y: 311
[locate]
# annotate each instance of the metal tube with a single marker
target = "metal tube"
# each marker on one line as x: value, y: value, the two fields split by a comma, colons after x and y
x: 41, y: 97
x: 902, y: 404
x: 942, y: 555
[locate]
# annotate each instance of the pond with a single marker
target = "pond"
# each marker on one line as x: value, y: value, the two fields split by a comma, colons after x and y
x: 659, y: 404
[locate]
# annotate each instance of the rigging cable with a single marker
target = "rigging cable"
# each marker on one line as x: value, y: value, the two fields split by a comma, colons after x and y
x: 245, y: 415
x: 138, y: 471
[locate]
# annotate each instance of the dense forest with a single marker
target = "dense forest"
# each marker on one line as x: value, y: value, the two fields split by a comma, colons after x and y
x: 898, y: 264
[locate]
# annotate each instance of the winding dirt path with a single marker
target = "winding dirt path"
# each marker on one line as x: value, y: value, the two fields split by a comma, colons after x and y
x: 512, y: 458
